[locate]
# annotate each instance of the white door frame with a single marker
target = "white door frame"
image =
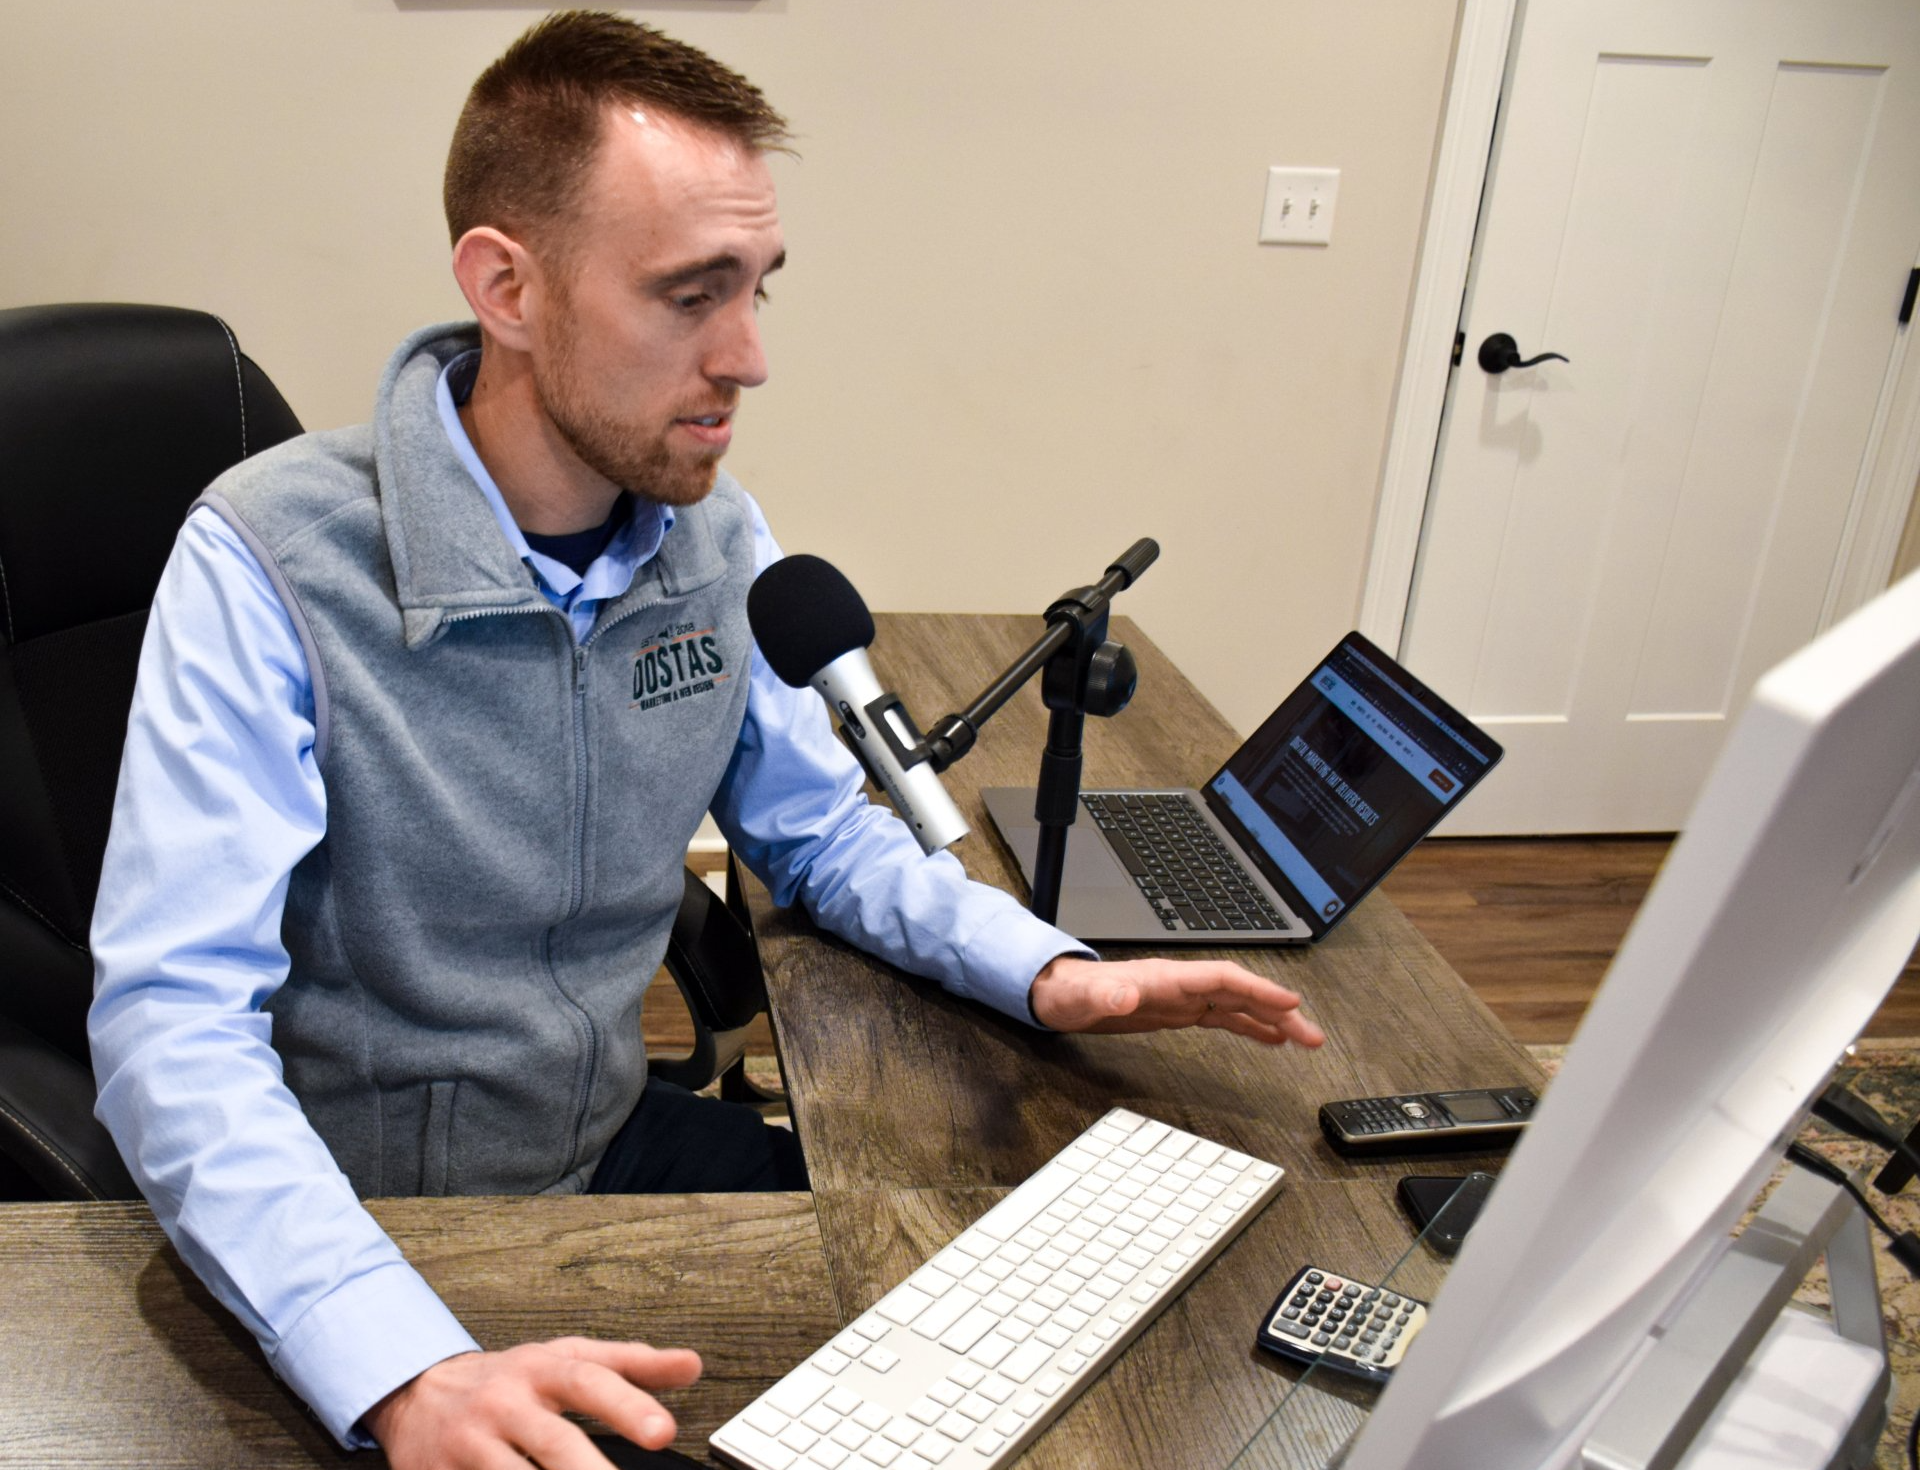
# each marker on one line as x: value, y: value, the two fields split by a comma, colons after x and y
x: 1888, y: 470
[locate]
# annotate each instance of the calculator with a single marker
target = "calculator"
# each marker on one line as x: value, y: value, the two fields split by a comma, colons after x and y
x: 1327, y: 1317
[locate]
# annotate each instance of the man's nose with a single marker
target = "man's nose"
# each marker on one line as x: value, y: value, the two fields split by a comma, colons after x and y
x: 740, y: 357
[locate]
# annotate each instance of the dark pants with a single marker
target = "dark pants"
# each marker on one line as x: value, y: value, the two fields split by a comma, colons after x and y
x: 676, y: 1142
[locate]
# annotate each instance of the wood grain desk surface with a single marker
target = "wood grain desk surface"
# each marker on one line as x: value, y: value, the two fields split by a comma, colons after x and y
x: 917, y: 1112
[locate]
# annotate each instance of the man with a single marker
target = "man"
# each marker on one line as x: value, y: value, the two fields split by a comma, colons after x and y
x: 396, y: 847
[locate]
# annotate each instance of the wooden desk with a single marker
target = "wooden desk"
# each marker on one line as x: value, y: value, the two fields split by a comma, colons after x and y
x: 113, y: 1353
x: 918, y: 1110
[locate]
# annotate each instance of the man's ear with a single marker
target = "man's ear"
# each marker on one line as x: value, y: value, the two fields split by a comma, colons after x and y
x: 498, y: 277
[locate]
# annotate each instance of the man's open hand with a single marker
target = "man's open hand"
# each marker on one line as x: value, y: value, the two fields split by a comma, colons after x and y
x: 492, y: 1411
x: 1074, y: 994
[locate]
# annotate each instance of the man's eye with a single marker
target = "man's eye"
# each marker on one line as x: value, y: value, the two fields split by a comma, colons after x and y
x: 760, y: 297
x: 692, y: 301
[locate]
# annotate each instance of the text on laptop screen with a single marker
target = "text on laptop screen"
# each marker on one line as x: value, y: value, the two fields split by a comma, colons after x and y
x: 1348, y: 774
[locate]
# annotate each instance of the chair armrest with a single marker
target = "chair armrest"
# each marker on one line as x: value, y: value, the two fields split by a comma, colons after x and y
x: 714, y: 961
x: 47, y: 1124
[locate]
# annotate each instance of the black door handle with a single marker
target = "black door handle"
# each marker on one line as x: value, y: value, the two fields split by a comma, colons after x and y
x: 1500, y: 352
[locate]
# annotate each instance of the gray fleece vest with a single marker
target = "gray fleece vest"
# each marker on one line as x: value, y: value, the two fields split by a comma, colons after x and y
x: 507, y: 813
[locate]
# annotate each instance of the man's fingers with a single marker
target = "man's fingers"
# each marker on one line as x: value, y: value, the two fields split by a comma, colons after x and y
x: 554, y: 1444
x: 591, y: 1388
x: 606, y: 1380
x: 650, y: 1367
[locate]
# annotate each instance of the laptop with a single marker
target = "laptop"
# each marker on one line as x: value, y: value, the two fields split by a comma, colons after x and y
x: 1341, y: 781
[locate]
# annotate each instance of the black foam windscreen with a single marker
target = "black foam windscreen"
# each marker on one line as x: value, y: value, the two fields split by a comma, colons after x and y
x: 805, y: 614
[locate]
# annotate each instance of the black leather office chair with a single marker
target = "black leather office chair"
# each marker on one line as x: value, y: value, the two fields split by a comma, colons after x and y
x: 112, y: 420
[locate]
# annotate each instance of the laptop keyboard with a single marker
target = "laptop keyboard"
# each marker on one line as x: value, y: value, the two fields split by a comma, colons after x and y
x: 1183, y: 868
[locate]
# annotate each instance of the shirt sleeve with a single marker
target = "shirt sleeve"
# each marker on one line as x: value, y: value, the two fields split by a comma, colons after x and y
x: 793, y: 807
x: 219, y: 797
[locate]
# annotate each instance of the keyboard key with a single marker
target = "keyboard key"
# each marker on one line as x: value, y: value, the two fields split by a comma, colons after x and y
x: 949, y: 1309
x: 765, y: 1418
x: 903, y: 1304
x: 751, y: 1444
x: 799, y: 1391
x: 991, y: 1350
x: 1010, y: 1216
x: 975, y: 1325
x: 1026, y: 1360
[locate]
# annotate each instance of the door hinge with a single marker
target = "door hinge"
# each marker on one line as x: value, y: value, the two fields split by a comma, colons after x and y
x: 1906, y: 305
x: 1460, y: 340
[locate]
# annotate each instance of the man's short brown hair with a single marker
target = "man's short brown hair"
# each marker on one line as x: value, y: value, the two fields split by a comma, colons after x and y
x: 527, y: 136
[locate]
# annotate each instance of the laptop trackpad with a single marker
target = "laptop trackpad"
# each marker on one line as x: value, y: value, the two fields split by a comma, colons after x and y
x: 1090, y: 862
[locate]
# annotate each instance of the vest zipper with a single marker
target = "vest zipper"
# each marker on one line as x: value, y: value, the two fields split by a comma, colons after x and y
x: 576, y: 893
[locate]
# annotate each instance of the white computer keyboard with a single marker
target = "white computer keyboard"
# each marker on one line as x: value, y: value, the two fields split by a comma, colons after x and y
x: 973, y: 1355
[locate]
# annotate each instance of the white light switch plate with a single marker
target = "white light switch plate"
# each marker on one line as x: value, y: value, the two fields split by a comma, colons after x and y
x: 1299, y: 207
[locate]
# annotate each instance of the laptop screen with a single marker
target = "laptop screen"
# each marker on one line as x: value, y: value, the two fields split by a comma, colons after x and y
x: 1352, y: 770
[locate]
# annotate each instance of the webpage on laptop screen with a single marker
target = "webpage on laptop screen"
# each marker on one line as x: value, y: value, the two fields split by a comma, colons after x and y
x: 1347, y: 775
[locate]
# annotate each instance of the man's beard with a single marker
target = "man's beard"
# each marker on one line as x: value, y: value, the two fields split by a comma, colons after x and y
x: 637, y: 462
x: 621, y: 453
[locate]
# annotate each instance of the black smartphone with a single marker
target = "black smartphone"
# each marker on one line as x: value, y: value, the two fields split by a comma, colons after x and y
x: 626, y: 1455
x: 1452, y: 1199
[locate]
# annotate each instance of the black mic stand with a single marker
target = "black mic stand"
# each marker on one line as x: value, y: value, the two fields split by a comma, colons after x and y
x: 1082, y: 673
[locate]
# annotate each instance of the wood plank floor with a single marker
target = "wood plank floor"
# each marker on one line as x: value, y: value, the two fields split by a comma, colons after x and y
x: 1530, y: 923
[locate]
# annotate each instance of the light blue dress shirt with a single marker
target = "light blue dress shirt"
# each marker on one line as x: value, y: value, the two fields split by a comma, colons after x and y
x: 219, y: 799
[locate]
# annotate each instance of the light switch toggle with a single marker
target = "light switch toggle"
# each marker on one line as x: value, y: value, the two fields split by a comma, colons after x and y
x: 1299, y: 206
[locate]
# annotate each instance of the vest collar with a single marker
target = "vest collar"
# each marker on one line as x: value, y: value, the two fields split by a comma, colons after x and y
x: 449, y: 558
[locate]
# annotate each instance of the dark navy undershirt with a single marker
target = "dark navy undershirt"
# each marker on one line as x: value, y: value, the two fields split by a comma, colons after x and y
x: 578, y: 549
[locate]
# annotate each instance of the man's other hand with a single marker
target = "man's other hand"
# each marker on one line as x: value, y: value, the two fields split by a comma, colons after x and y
x: 499, y: 1409
x: 1074, y: 994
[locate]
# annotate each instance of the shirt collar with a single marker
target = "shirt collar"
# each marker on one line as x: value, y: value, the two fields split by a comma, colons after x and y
x: 632, y: 547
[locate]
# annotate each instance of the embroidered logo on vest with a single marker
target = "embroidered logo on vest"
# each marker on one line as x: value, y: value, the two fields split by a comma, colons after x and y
x: 682, y: 660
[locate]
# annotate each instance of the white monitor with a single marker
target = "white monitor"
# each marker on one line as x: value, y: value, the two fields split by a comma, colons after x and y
x: 1778, y: 923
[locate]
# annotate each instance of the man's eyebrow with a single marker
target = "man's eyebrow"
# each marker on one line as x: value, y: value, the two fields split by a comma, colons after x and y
x: 726, y: 263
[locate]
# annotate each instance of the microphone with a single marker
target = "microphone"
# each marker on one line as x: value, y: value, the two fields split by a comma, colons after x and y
x: 814, y: 630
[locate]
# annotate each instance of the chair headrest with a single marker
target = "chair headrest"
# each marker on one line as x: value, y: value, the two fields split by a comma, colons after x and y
x: 113, y: 419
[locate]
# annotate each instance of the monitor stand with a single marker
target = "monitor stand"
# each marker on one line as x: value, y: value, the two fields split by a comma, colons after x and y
x: 1739, y: 1380
x: 1741, y: 1375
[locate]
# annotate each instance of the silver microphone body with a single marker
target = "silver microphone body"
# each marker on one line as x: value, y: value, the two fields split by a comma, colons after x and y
x: 849, y: 687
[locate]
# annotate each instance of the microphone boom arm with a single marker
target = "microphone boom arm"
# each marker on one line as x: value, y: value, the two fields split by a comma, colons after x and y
x: 1084, y: 674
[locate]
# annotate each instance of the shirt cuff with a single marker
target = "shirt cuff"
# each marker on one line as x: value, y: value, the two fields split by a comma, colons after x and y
x: 361, y: 1342
x: 1007, y: 954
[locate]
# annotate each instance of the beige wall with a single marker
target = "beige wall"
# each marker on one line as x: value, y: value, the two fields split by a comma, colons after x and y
x: 1025, y: 322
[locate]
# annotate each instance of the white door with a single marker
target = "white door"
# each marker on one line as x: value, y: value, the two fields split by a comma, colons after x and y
x: 1711, y: 207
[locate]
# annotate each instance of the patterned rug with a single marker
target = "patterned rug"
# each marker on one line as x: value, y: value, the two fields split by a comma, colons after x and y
x: 1886, y: 1074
